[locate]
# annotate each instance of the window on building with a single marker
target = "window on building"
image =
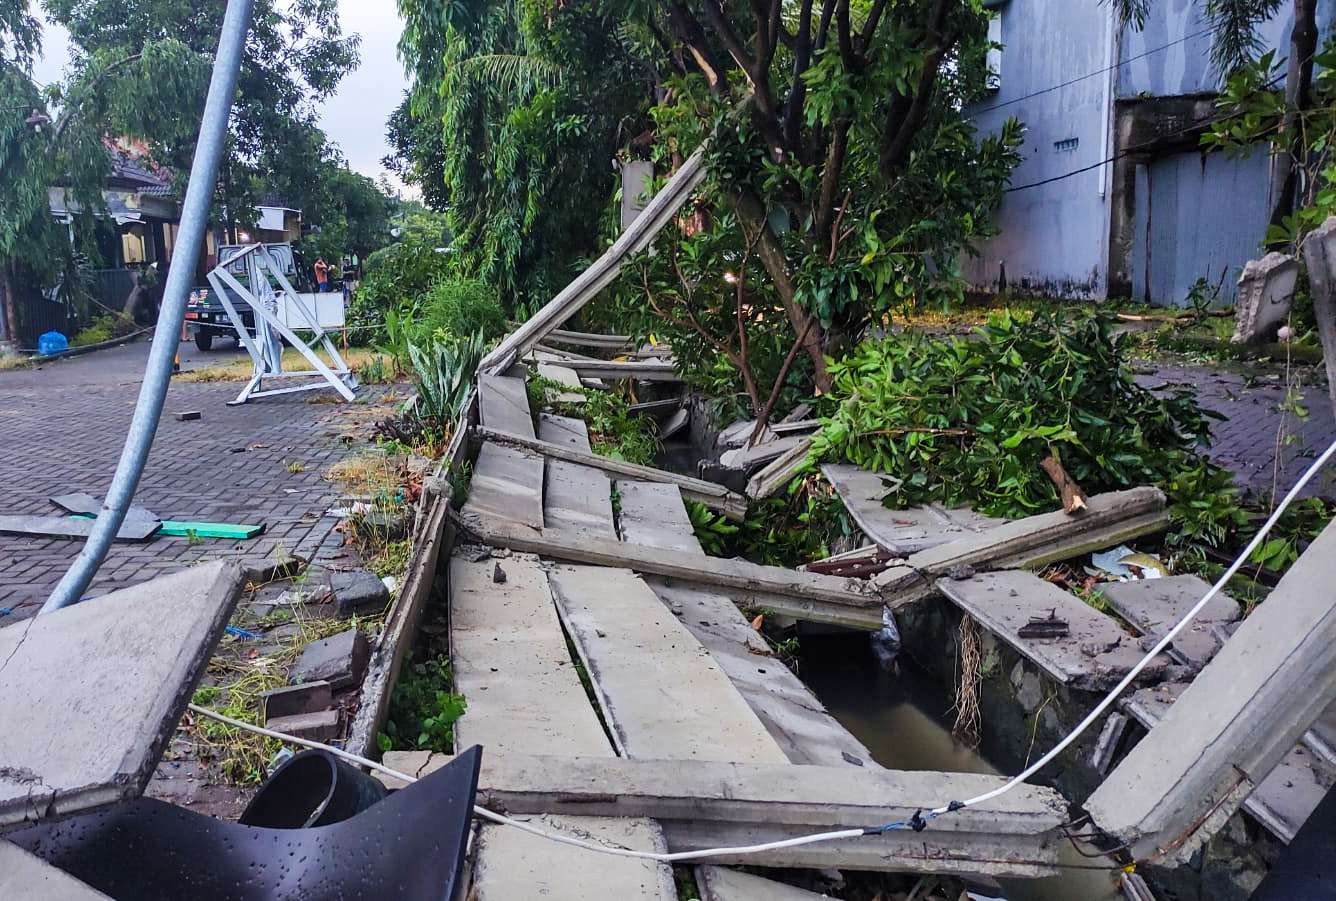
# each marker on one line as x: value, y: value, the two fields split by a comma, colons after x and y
x: 994, y: 59
x: 136, y: 244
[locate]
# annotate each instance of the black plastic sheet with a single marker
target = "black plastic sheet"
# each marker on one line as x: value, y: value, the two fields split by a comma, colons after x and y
x: 410, y: 846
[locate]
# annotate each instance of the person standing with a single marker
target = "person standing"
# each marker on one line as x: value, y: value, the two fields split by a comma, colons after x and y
x: 321, y: 275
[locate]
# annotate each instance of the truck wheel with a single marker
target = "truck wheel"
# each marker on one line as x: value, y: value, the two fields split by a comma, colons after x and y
x: 204, y: 340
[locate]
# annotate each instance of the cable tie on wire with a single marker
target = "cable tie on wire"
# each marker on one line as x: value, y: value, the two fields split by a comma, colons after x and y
x: 954, y: 806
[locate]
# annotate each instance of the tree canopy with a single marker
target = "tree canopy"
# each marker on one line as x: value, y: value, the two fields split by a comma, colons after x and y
x: 296, y: 54
x: 845, y: 188
x: 517, y: 112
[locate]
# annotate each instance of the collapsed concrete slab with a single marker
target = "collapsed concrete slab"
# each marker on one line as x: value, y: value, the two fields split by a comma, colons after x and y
x: 1265, y: 295
x: 93, y: 692
x: 1234, y: 723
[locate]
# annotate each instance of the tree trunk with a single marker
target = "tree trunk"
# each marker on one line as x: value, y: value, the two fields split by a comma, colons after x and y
x: 751, y: 214
x: 9, y: 320
x: 1298, y: 88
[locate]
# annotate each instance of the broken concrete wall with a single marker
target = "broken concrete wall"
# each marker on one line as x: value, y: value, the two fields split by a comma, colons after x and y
x: 1025, y: 712
x: 1265, y: 296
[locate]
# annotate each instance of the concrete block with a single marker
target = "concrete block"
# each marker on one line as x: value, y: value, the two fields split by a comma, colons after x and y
x: 1266, y: 292
x: 275, y: 569
x: 340, y: 660
x: 359, y: 591
x: 1235, y: 722
x: 93, y: 693
x: 293, y: 700
x: 322, y: 726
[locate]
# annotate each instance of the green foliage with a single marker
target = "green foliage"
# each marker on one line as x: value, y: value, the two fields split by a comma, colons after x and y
x: 423, y: 709
x: 967, y: 422
x: 517, y: 108
x: 456, y: 308
x: 295, y: 56
x: 104, y: 328
x: 443, y: 375
x: 1302, y: 522
x: 397, y: 279
x: 779, y: 531
x: 1251, y: 112
x: 1204, y: 504
x: 614, y: 431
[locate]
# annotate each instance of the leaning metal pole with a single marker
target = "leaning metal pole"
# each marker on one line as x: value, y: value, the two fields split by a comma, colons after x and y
x: 158, y: 372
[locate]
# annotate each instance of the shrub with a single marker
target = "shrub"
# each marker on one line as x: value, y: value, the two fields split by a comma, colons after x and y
x: 443, y: 374
x: 104, y: 328
x: 397, y: 277
x: 967, y: 422
x: 458, y: 308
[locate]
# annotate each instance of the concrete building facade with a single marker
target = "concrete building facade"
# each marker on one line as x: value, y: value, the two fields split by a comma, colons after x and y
x: 1113, y: 197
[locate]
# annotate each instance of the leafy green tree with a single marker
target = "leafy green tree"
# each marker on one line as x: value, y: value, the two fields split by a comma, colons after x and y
x: 55, y: 137
x: 850, y: 181
x: 295, y: 56
x: 518, y: 108
x: 419, y: 156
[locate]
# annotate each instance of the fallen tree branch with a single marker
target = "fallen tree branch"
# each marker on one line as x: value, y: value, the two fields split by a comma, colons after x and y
x: 1073, y: 498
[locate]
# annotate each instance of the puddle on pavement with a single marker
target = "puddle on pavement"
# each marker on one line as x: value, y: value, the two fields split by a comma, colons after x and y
x: 903, y: 718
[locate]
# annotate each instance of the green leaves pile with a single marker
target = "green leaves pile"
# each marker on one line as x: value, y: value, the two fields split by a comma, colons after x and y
x: 423, y: 709
x: 967, y: 421
x: 614, y: 431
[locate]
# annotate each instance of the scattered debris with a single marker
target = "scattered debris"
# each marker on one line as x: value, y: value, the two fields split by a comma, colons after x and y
x: 340, y: 660
x: 1045, y: 627
x: 294, y: 700
x: 85, y: 504
x: 320, y: 726
x: 1265, y: 294
x: 499, y: 575
x: 283, y: 566
x: 359, y: 591
x: 133, y: 529
x: 189, y: 416
x: 1074, y: 500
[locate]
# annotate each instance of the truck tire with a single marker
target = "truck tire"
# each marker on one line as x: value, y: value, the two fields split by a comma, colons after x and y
x: 204, y: 340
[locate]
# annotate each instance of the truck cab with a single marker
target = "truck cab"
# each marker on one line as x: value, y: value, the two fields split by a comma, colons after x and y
x: 207, y: 319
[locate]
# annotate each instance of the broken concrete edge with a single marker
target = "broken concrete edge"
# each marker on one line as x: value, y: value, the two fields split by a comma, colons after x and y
x: 1234, y: 723
x: 225, y: 589
x: 1265, y: 295
x: 401, y: 626
x: 340, y: 659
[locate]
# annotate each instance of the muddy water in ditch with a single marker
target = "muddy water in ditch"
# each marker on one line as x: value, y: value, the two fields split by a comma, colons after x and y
x: 902, y: 717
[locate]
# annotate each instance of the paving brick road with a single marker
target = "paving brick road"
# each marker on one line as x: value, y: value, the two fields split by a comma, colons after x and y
x: 61, y: 431
x: 1246, y: 442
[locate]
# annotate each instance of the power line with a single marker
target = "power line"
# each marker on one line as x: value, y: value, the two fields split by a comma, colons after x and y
x: 1117, y: 65
x: 1196, y: 126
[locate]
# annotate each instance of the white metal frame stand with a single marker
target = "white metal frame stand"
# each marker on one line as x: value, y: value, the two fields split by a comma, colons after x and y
x: 265, y: 348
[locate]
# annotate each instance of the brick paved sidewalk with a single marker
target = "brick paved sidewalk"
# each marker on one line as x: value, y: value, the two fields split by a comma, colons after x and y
x: 63, y: 433
x: 1246, y: 442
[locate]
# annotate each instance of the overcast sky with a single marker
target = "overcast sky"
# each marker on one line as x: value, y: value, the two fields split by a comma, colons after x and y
x: 355, y: 117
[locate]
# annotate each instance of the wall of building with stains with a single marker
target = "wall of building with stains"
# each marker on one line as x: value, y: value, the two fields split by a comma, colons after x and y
x: 1162, y: 220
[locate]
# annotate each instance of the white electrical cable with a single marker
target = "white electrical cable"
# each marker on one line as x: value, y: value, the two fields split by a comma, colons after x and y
x: 492, y: 816
x: 1161, y: 645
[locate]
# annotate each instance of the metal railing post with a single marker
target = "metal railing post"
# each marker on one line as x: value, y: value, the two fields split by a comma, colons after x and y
x: 158, y: 372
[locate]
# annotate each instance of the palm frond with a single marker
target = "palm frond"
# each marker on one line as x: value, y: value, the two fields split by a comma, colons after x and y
x: 510, y: 72
x: 1235, y: 41
x: 1131, y: 12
